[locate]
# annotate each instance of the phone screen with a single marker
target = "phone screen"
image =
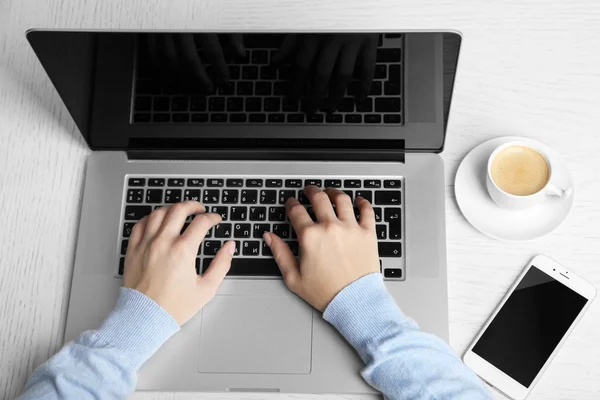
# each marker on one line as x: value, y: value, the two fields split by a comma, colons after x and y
x: 529, y: 326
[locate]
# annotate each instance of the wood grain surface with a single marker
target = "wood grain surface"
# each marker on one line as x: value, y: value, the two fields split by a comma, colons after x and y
x: 527, y: 68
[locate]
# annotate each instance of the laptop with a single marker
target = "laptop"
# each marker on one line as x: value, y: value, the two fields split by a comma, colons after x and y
x: 165, y: 124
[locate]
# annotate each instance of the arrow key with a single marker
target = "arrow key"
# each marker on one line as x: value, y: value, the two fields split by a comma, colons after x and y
x: 389, y: 249
x: 388, y: 197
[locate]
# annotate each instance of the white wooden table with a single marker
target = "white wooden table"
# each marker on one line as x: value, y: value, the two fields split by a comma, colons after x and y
x: 528, y: 68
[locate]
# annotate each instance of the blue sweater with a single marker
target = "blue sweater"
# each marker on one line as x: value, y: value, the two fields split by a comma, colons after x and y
x: 400, y: 361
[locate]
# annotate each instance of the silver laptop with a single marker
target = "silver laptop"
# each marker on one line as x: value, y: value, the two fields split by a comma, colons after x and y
x: 225, y: 127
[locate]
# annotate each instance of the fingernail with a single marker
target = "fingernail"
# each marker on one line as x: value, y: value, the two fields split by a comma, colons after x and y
x: 231, y: 247
x: 291, y: 200
x: 267, y: 238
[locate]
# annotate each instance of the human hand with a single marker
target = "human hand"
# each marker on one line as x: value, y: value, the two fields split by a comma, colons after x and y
x: 330, y: 59
x: 335, y: 251
x: 175, y: 54
x: 160, y: 262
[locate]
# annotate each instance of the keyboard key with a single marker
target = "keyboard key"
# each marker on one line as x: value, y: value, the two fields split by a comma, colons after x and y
x: 388, y: 55
x: 387, y: 104
x: 234, y: 182
x: 375, y: 89
x: 235, y: 104
x: 142, y: 117
x: 161, y: 104
x: 198, y: 265
x: 395, y: 227
x: 294, y: 247
x: 372, y: 183
x: 392, y: 214
x: 392, y: 119
x: 211, y: 247
x: 249, y: 196
x: 352, y: 183
x: 272, y: 104
x: 258, y: 118
x: 380, y: 71
x: 302, y: 198
x: 315, y: 118
x: 350, y: 194
x: 195, y: 182
x: 381, y: 232
x: 237, y: 117
x: 392, y: 197
x: 395, y: 74
x: 127, y: 228
x: 172, y: 196
x: 245, y: 88
x: 142, y: 104
x: 259, y: 229
x: 135, y: 196
x: 211, y: 196
x: 242, y: 230
x: 346, y: 105
x: 253, y: 104
x: 314, y: 182
x: 234, y: 72
x: 365, y: 106
x: 250, y: 72
x: 295, y: 118
x: 268, y: 73
x: 230, y: 196
x: 218, y: 117
x: 365, y: 194
x: 266, y: 250
x: 176, y: 182
x: 249, y: 267
x: 223, y: 231
x: 392, y: 273
x: 156, y: 182
x: 154, y: 196
x: 394, y: 183
x: 254, y: 182
x: 289, y: 105
x: 268, y: 196
x: 334, y: 118
x: 378, y: 214
x: 124, y: 245
x: 251, y: 248
x: 191, y: 195
x: 277, y: 118
x: 122, y: 266
x: 216, y: 104
x: 135, y: 213
x: 392, y: 88
x: 137, y: 181
x: 258, y: 213
x: 199, y: 117
x: 333, y: 183
x: 286, y: 194
x: 222, y: 211
x: 179, y: 104
x: 239, y: 213
x: 198, y: 104
x: 277, y: 214
x: 353, y: 118
x: 372, y: 119
x: 293, y: 183
x: 262, y: 88
x: 227, y: 89
x: 280, y: 88
x: 274, y: 183
x: 282, y: 230
x: 389, y: 249
x: 215, y: 182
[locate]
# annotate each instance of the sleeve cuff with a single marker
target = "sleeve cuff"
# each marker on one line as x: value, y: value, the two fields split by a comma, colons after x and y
x: 363, y: 311
x: 137, y: 327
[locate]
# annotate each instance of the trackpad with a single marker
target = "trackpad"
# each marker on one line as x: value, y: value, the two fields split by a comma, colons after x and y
x: 256, y: 334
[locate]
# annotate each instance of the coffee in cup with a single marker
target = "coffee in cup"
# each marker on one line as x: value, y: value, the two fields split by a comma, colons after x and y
x: 520, y: 170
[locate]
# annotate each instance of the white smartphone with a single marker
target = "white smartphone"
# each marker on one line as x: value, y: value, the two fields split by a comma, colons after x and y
x: 528, y: 327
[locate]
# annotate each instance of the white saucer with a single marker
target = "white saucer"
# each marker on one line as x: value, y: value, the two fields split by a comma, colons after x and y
x: 511, y: 225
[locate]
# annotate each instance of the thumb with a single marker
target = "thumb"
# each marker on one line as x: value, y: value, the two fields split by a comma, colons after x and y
x: 285, y: 260
x: 219, y: 266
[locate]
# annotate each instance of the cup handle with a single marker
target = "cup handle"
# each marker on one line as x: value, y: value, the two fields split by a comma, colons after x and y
x: 554, y: 190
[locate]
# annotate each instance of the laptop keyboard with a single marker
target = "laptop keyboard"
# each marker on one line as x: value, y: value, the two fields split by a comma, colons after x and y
x: 256, y: 92
x: 250, y: 206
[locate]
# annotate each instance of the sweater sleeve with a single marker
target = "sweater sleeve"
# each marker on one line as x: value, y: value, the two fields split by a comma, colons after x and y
x: 401, y: 361
x: 103, y: 363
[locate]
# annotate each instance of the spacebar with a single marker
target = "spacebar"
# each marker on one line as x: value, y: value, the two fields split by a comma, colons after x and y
x: 249, y: 267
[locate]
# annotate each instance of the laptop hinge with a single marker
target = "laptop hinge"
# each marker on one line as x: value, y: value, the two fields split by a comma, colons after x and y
x: 267, y: 149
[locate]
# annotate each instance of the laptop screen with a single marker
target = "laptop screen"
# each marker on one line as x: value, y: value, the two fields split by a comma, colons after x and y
x: 128, y: 90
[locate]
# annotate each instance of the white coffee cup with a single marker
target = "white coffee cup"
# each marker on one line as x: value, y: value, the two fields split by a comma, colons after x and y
x: 512, y: 201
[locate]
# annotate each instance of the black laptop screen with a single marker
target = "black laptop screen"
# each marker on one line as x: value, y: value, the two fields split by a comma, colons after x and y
x: 140, y: 90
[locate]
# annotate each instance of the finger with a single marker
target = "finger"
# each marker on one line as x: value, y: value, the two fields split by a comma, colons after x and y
x: 137, y: 233
x: 155, y: 221
x: 285, y: 260
x: 189, y: 54
x: 343, y: 73
x: 368, y: 57
x: 237, y: 43
x: 297, y: 215
x: 343, y: 204
x: 304, y: 59
x: 218, y: 268
x: 214, y: 54
x: 286, y: 49
x: 320, y: 203
x: 325, y: 63
x: 367, y: 215
x: 177, y: 215
x: 170, y: 69
x: 199, y: 227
